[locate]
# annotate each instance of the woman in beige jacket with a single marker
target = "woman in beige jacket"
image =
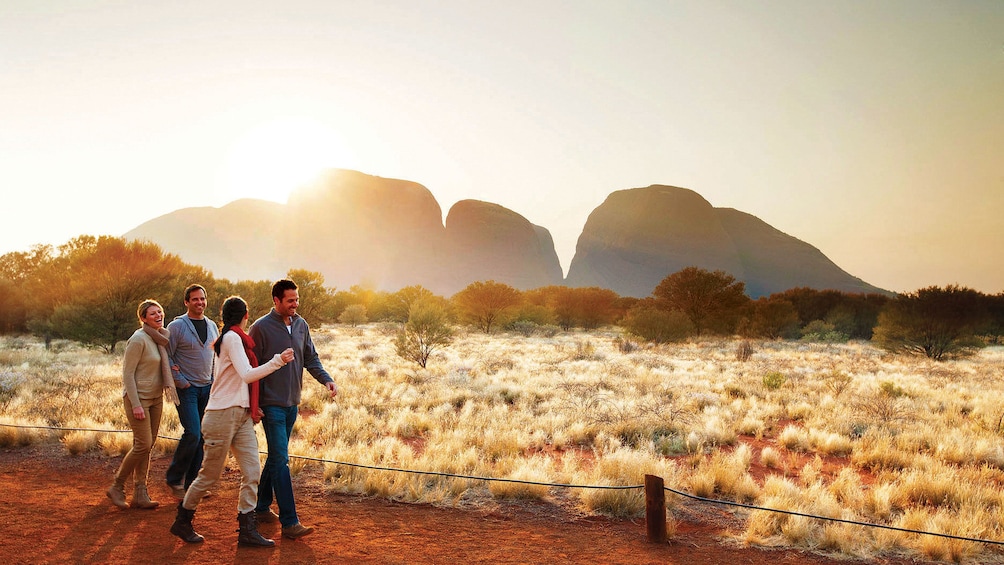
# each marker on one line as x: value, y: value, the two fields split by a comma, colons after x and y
x: 146, y: 378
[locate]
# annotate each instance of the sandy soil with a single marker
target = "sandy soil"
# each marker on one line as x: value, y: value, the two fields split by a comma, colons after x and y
x: 54, y: 510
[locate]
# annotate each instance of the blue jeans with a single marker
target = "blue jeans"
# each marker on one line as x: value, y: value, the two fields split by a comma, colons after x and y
x: 275, y: 478
x: 188, y: 455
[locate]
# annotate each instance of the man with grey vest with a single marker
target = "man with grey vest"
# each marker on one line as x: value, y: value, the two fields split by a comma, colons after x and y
x: 280, y: 399
x: 190, y: 349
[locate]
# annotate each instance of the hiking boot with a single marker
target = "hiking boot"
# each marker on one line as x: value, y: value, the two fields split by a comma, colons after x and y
x: 295, y: 531
x: 182, y: 526
x: 266, y: 516
x: 248, y: 532
x: 141, y: 499
x: 116, y: 493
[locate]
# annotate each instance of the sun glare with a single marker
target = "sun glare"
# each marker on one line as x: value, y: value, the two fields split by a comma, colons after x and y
x: 274, y: 158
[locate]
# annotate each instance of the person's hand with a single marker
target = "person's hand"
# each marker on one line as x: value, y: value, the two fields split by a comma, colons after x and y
x: 137, y: 412
x: 332, y: 388
x: 287, y: 355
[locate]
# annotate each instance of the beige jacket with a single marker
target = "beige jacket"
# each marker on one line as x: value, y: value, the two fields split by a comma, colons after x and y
x: 141, y: 377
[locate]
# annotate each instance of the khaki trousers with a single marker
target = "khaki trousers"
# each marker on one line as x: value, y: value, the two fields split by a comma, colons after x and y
x: 144, y: 434
x: 228, y: 431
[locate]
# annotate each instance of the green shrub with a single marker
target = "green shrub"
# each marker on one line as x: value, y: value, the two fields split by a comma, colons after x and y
x: 818, y: 330
x: 774, y: 380
x: 428, y: 328
x: 661, y: 326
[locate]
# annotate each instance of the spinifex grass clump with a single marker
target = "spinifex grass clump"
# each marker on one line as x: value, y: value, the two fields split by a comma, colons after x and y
x: 848, y: 432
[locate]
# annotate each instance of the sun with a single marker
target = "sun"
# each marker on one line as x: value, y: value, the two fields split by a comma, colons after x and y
x: 274, y: 158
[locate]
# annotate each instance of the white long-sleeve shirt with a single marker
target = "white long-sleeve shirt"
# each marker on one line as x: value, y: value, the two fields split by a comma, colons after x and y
x: 234, y: 372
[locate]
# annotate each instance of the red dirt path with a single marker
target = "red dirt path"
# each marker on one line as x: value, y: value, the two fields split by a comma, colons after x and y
x: 53, y: 510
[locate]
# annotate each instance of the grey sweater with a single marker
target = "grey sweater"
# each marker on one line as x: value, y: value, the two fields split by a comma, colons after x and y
x: 193, y: 358
x: 282, y: 388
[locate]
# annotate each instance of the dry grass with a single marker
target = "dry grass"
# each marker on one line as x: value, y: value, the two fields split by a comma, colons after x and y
x: 918, y: 444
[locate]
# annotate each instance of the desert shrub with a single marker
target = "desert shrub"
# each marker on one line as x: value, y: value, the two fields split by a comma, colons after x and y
x: 660, y: 326
x: 353, y: 315
x: 820, y: 331
x: 584, y: 351
x: 10, y: 382
x: 427, y: 329
x: 891, y: 389
x: 534, y: 470
x: 770, y: 458
x: 794, y: 438
x: 886, y: 405
x: 525, y: 328
x: 774, y: 380
x: 625, y: 345
x: 836, y: 382
x: 744, y: 351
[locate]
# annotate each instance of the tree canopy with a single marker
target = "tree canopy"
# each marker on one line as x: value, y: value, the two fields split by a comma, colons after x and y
x: 935, y: 322
x: 713, y: 301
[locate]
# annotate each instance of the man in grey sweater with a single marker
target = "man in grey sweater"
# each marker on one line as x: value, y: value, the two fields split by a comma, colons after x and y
x: 280, y: 399
x: 190, y: 348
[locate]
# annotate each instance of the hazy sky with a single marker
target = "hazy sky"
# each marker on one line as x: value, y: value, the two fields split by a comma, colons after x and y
x: 873, y: 130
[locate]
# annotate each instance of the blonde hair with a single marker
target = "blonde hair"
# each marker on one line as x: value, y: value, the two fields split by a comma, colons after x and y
x: 144, y: 306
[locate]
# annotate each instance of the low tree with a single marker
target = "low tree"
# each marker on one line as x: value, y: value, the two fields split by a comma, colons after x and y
x: 772, y: 318
x: 935, y: 322
x: 353, y: 315
x: 993, y: 329
x: 648, y: 321
x: 427, y: 329
x: 258, y: 295
x: 713, y: 301
x: 92, y: 288
x: 583, y: 307
x: 19, y: 284
x: 488, y: 304
x: 316, y: 300
x: 399, y: 303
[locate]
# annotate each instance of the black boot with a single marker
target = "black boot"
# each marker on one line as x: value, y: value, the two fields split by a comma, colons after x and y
x: 249, y: 531
x: 182, y: 526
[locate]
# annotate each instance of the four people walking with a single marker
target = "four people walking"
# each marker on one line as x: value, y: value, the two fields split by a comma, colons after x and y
x: 221, y: 384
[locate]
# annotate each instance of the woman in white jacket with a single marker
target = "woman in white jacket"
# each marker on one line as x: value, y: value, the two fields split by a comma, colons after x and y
x: 228, y: 425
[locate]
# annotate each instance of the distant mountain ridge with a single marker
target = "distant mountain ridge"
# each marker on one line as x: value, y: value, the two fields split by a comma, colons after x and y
x: 356, y: 228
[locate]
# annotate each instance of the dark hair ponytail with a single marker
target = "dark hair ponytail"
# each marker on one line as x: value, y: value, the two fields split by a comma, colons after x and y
x: 231, y: 313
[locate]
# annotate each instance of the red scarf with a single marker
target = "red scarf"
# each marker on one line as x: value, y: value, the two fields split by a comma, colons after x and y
x: 253, y: 393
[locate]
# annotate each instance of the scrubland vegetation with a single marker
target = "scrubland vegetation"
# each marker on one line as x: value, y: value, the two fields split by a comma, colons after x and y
x: 873, y: 408
x: 845, y: 430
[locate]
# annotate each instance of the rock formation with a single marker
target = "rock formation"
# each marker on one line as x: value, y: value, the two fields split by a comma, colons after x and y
x: 639, y: 236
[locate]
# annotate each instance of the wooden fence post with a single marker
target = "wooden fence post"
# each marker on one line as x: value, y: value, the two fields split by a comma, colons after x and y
x: 655, y: 508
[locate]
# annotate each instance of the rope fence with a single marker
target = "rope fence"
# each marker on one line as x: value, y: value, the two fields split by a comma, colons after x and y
x: 654, y: 492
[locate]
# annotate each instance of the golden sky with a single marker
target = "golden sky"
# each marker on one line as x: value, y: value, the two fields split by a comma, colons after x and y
x: 872, y: 130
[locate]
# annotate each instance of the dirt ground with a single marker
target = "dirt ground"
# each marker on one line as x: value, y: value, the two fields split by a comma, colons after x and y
x: 53, y: 510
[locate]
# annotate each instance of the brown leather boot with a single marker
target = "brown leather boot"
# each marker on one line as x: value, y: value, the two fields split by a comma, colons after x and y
x: 248, y: 524
x: 141, y: 499
x: 116, y: 493
x: 182, y: 526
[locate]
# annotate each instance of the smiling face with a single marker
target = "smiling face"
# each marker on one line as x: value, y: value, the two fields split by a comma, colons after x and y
x: 287, y: 305
x: 154, y: 317
x: 196, y: 303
